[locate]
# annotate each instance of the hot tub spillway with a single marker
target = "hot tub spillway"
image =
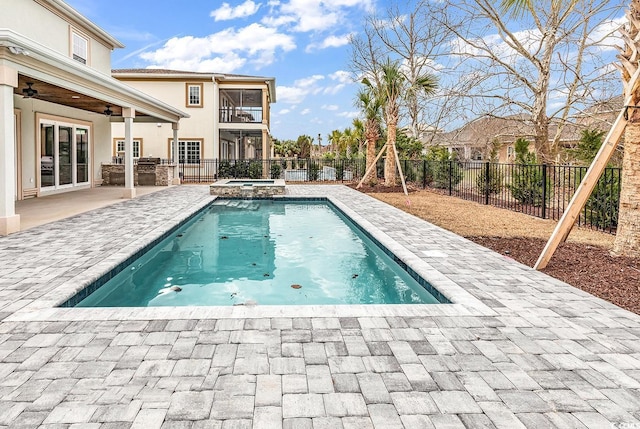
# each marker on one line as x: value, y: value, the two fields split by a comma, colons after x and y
x: 248, y: 188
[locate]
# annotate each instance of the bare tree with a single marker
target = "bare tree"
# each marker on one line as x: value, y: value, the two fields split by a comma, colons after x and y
x: 408, y: 35
x: 534, y: 61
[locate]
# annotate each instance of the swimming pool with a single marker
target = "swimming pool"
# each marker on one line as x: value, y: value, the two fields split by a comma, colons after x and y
x: 263, y: 252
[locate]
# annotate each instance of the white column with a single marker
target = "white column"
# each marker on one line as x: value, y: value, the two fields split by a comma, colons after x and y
x: 265, y: 155
x: 176, y: 179
x: 9, y: 220
x: 128, y: 113
x: 216, y: 119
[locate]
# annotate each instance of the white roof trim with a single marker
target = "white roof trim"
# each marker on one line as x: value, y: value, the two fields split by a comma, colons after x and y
x: 39, y: 52
x: 70, y: 12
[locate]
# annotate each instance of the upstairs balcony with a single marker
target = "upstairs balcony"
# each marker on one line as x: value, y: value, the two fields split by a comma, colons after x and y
x: 241, y: 105
x: 241, y: 114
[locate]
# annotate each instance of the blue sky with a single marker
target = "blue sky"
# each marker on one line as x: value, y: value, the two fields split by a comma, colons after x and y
x: 302, y: 43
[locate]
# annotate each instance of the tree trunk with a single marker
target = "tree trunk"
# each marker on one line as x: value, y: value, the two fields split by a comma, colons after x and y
x: 390, y: 160
x: 372, y: 137
x: 627, y: 241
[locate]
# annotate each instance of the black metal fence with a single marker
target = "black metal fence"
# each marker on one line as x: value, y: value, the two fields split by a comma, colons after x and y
x: 538, y: 190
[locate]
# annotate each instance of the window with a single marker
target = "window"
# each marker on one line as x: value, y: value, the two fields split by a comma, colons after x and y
x: 119, y: 147
x: 79, y: 47
x: 188, y: 151
x: 194, y: 95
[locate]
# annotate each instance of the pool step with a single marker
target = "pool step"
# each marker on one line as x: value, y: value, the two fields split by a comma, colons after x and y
x: 240, y: 204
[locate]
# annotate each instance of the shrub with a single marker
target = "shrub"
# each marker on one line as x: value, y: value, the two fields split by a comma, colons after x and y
x: 528, y: 181
x: 601, y: 209
x: 527, y: 185
x: 240, y: 169
x: 339, y: 170
x: 255, y: 170
x: 224, y: 170
x: 442, y: 168
x: 276, y: 171
x: 313, y: 170
x: 492, y: 184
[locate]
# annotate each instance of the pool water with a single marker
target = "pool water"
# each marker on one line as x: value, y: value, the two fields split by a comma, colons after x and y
x: 262, y: 252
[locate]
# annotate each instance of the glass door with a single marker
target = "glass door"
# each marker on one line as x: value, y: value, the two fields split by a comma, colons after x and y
x: 82, y: 155
x: 47, y: 156
x: 64, y: 155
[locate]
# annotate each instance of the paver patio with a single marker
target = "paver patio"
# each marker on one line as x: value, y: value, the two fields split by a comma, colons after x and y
x: 516, y: 348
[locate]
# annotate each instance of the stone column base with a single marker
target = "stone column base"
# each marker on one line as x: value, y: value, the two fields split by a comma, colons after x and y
x: 175, y: 181
x: 9, y: 224
x: 129, y: 193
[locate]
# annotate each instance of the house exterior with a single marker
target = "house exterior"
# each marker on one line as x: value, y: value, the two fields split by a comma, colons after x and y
x: 473, y: 141
x: 229, y: 115
x: 57, y: 102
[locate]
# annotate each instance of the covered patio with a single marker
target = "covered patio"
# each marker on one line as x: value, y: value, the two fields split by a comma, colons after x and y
x: 55, y: 123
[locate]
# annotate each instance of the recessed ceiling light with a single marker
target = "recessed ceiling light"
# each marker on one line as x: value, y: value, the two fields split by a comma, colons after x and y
x: 75, y: 97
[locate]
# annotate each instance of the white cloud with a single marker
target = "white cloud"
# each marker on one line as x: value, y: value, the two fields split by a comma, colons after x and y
x: 225, y: 51
x: 301, y: 88
x: 312, y: 15
x: 305, y: 112
x: 226, y: 12
x: 606, y: 36
x: 349, y: 115
x: 329, y: 42
x: 341, y: 76
x: 284, y: 111
x: 330, y: 107
x: 530, y: 39
x: 333, y: 90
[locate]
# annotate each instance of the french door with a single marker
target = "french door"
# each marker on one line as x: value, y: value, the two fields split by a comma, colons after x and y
x: 64, y: 155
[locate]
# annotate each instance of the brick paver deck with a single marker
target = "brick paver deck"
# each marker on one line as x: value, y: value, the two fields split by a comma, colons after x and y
x: 516, y: 349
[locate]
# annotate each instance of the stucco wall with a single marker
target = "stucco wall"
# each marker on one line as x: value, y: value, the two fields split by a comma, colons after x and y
x: 155, y: 138
x: 34, y: 21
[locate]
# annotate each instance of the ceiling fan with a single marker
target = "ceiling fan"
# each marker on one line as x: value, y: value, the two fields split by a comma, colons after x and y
x: 29, y: 92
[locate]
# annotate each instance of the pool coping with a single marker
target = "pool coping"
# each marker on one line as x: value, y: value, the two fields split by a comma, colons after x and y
x: 46, y: 308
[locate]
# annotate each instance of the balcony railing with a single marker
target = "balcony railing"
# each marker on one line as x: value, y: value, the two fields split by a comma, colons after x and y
x: 241, y: 114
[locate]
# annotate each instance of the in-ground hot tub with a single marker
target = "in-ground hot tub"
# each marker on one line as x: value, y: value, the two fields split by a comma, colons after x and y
x: 248, y: 188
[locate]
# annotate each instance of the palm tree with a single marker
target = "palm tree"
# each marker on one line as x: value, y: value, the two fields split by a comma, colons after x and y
x: 393, y: 84
x: 370, y: 106
x: 334, y: 139
x: 627, y: 241
x: 358, y: 134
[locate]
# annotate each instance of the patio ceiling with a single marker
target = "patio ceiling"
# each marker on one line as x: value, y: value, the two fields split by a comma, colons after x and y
x: 58, y: 95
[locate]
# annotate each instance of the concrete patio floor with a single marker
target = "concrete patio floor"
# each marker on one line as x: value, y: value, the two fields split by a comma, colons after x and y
x: 38, y: 211
x: 516, y: 349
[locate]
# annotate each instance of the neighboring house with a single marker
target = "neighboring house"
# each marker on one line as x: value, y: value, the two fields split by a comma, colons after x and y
x: 229, y: 115
x: 57, y: 101
x: 473, y: 141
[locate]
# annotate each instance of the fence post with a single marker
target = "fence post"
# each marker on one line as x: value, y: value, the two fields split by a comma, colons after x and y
x: 487, y: 183
x: 544, y: 191
x: 424, y: 174
x: 450, y: 177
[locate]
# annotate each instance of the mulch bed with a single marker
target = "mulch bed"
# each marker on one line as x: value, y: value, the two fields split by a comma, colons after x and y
x: 590, y: 268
